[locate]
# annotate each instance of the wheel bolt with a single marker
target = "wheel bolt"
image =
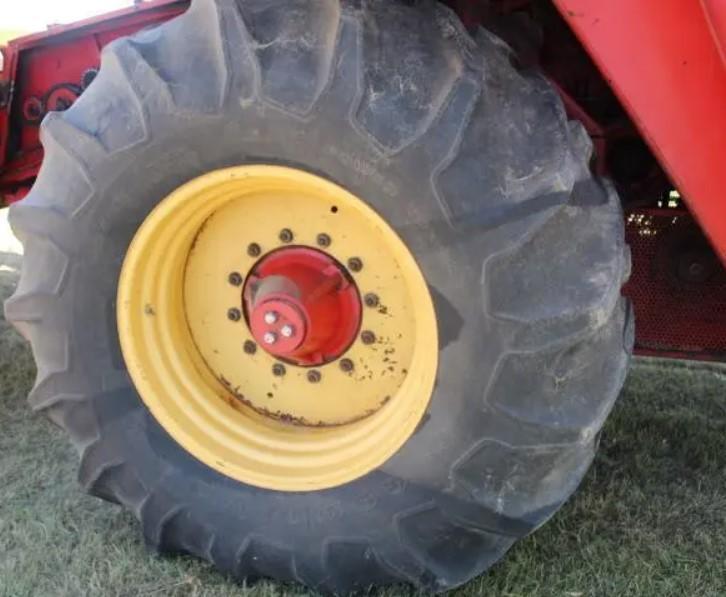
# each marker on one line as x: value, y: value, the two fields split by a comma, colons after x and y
x: 270, y: 317
x: 368, y: 337
x: 235, y: 279
x: 355, y: 264
x: 323, y: 240
x: 234, y: 314
x: 287, y: 331
x: 269, y: 338
x: 371, y: 300
x: 346, y: 365
x: 286, y: 235
x: 314, y: 376
x: 254, y: 250
x: 278, y: 370
x: 250, y: 347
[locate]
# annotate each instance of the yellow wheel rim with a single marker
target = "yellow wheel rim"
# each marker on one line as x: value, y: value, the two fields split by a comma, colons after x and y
x: 228, y: 406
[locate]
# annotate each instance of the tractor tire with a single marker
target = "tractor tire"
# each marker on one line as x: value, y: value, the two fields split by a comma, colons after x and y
x: 475, y: 166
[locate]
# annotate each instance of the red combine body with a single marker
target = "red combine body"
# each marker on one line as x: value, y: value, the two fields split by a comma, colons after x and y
x: 343, y: 292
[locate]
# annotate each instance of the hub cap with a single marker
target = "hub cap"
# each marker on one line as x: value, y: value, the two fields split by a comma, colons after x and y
x: 302, y: 306
x: 242, y: 326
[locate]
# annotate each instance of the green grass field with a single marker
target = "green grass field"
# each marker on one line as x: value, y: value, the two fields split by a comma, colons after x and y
x: 650, y: 518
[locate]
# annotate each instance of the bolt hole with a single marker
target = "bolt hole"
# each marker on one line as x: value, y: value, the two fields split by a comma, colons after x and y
x: 355, y: 264
x: 323, y: 240
x: 286, y: 235
x: 278, y: 369
x: 254, y: 250
x: 367, y: 337
x: 371, y: 300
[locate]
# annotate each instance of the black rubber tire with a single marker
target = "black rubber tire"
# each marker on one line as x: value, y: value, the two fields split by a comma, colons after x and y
x: 477, y: 168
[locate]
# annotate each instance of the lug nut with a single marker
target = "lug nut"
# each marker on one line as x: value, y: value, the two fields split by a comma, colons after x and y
x: 323, y: 240
x: 269, y: 338
x: 235, y: 279
x: 314, y: 376
x: 287, y: 331
x: 278, y: 370
x: 254, y: 250
x: 346, y: 365
x: 355, y: 264
x: 270, y: 317
x: 371, y: 300
x: 286, y: 235
x: 250, y: 347
x: 234, y: 314
x: 368, y: 337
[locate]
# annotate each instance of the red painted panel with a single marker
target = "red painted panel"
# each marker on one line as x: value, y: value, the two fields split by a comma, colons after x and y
x: 44, y: 64
x: 37, y: 63
x: 662, y: 59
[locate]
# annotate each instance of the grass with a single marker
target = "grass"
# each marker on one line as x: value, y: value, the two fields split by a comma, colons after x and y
x: 650, y: 518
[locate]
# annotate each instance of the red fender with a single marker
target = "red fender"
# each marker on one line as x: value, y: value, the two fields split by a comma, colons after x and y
x: 666, y: 61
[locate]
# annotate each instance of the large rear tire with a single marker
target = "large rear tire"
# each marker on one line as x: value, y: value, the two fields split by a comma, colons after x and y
x: 475, y: 166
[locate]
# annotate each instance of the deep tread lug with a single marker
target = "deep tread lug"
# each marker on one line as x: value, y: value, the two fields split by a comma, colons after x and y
x: 295, y: 48
x: 145, y: 87
x: 59, y: 130
x: 453, y: 554
x: 93, y: 477
x: 201, y: 31
x: 34, y: 294
x: 261, y: 559
x: 353, y: 566
x: 155, y: 516
x: 443, y: 137
x: 498, y: 476
x: 401, y: 98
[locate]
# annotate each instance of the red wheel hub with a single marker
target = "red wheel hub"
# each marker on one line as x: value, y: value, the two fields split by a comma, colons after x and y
x: 302, y: 306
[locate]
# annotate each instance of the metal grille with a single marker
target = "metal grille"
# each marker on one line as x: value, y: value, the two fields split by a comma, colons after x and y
x: 678, y: 287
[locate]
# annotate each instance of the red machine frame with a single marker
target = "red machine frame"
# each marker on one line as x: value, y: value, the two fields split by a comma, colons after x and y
x: 664, y: 59
x: 79, y: 45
